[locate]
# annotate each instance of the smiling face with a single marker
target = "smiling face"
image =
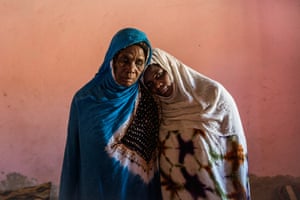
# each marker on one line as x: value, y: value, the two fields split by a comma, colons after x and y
x: 128, y: 65
x: 158, y: 81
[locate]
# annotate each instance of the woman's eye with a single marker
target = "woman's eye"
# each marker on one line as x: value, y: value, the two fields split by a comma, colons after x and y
x: 139, y: 63
x: 125, y: 60
x: 158, y: 74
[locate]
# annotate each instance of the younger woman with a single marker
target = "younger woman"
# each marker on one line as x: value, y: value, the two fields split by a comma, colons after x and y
x: 203, y: 146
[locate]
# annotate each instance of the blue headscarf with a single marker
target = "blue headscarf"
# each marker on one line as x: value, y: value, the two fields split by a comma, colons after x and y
x: 114, y: 103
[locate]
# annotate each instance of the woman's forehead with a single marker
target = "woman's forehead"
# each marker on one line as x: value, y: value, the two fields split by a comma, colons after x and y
x: 134, y: 49
x: 152, y: 68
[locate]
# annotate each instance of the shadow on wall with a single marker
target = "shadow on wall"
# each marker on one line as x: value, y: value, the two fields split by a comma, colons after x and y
x: 262, y: 188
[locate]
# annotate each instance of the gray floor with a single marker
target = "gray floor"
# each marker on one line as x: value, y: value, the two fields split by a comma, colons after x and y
x: 274, y: 188
x: 262, y: 188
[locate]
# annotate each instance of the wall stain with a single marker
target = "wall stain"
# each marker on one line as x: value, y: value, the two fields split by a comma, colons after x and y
x: 15, y: 180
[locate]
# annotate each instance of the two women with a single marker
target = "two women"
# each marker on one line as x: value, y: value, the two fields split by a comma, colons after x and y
x: 203, y: 146
x: 111, y: 148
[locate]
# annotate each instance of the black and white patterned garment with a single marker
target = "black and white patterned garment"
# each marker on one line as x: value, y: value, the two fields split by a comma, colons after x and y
x: 135, y: 146
x: 189, y: 160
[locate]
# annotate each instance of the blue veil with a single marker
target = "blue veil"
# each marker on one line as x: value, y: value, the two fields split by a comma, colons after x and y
x: 115, y: 102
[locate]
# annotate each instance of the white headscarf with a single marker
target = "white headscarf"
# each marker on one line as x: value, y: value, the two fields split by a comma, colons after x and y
x: 197, y: 101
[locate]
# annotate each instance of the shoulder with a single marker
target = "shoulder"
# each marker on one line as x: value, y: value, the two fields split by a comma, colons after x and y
x: 89, y: 89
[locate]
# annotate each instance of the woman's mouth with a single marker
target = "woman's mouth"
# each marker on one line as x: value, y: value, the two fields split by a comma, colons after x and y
x: 127, y: 81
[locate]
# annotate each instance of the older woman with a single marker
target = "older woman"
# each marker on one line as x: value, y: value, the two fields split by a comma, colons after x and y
x: 111, y: 148
x: 203, y: 146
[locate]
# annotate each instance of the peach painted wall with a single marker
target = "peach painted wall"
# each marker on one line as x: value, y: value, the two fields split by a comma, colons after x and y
x: 50, y: 48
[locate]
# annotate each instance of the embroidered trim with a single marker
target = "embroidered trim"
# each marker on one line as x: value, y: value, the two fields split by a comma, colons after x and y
x: 134, y: 145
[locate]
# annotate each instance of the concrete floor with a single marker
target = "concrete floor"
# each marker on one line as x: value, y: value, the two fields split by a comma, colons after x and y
x: 274, y: 188
x: 262, y: 188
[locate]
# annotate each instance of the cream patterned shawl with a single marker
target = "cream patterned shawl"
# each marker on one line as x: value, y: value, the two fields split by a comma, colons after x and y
x: 200, y: 103
x: 197, y: 100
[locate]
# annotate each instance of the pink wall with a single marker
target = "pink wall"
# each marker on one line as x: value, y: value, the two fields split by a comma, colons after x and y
x: 51, y: 48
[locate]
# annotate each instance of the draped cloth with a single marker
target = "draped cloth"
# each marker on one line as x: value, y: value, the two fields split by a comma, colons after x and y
x: 111, y: 146
x: 203, y: 146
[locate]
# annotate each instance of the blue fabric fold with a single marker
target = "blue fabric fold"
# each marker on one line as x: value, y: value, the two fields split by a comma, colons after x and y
x: 116, y: 102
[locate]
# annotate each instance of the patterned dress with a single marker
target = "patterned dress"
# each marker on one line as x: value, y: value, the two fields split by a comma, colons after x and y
x: 202, y: 142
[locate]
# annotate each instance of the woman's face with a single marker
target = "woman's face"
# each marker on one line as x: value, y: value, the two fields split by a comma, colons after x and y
x: 128, y: 65
x: 158, y: 81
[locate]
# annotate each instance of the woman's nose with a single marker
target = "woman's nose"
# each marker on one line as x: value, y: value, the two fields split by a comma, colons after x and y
x: 131, y: 67
x: 157, y: 84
